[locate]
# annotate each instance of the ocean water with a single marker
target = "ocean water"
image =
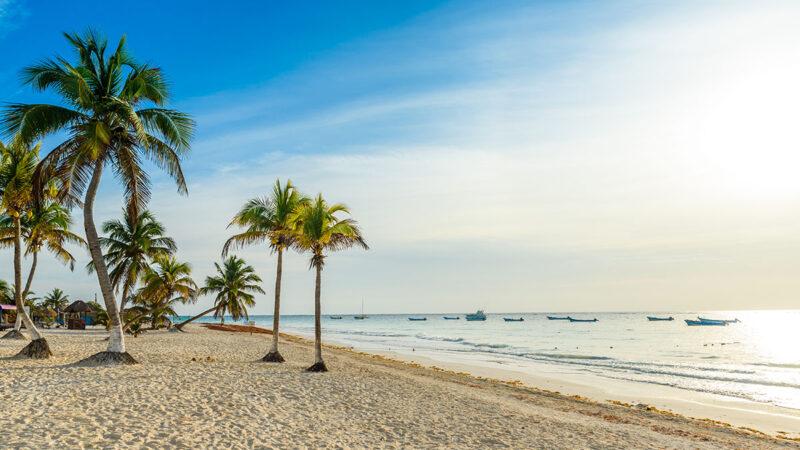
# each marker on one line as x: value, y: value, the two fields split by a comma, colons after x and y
x: 757, y: 359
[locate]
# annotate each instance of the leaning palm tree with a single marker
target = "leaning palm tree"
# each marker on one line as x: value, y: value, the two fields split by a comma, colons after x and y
x: 44, y: 226
x: 269, y: 220
x: 132, y: 243
x: 17, y: 163
x: 112, y: 114
x: 319, y: 232
x: 234, y: 285
x: 166, y: 283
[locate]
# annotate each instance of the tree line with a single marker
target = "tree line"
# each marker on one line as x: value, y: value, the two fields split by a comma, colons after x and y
x: 113, y: 116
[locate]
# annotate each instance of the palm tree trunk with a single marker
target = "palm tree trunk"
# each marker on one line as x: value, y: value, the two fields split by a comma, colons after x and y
x: 26, y: 319
x: 116, y: 341
x: 180, y: 326
x: 319, y: 364
x: 123, y: 301
x: 274, y: 355
x: 30, y: 275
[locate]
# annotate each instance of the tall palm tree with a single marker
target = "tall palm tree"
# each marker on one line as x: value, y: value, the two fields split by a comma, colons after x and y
x: 44, y: 226
x: 132, y: 243
x: 269, y: 220
x: 166, y: 283
x: 320, y: 232
x: 234, y: 284
x: 17, y: 163
x: 112, y: 113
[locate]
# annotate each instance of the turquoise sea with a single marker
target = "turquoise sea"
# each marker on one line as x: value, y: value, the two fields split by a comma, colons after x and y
x: 757, y: 359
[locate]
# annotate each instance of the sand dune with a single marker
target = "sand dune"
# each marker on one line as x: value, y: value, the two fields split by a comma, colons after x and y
x: 228, y: 399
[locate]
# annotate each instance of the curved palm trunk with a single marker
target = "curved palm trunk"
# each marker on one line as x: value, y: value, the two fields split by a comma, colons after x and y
x: 319, y: 364
x: 38, y: 347
x: 123, y: 301
x: 26, y: 319
x: 18, y: 323
x: 180, y: 326
x: 116, y: 341
x: 273, y: 355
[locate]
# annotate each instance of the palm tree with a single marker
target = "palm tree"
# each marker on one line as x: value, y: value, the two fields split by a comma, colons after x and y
x: 319, y: 232
x: 234, y: 285
x: 112, y: 113
x: 56, y: 299
x: 269, y: 220
x: 132, y: 243
x: 166, y: 283
x: 45, y: 226
x: 17, y: 165
x: 6, y: 295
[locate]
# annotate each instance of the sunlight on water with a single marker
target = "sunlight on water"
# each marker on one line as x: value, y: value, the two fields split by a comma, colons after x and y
x: 757, y: 359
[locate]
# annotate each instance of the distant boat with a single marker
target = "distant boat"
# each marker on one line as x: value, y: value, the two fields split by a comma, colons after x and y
x: 361, y: 316
x: 336, y: 317
x: 557, y: 318
x: 715, y: 320
x: 451, y: 318
x: 509, y: 319
x: 581, y: 320
x: 417, y: 318
x: 659, y: 319
x: 694, y: 323
x: 480, y: 315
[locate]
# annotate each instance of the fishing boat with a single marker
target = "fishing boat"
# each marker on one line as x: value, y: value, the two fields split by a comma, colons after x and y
x: 715, y: 320
x: 361, y: 316
x: 694, y: 323
x: 659, y: 319
x: 480, y: 315
x: 581, y: 320
x: 557, y: 318
x: 451, y: 318
x: 417, y: 318
x: 336, y: 317
x: 509, y: 319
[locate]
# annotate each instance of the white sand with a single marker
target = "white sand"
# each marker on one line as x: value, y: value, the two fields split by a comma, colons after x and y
x: 170, y: 401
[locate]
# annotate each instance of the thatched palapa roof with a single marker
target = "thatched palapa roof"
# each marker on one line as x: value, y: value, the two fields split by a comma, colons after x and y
x: 78, y: 307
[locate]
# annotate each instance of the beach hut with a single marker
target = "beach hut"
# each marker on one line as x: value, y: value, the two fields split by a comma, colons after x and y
x: 78, y: 315
x: 6, y: 312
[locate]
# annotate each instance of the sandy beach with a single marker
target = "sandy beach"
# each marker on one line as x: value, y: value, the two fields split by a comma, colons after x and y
x: 226, y: 398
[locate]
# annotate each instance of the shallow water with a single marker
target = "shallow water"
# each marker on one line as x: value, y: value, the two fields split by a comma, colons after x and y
x: 757, y: 359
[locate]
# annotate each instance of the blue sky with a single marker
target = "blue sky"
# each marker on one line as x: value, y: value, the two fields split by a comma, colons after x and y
x: 513, y: 156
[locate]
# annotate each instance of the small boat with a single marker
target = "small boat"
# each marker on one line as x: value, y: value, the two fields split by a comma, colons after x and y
x: 694, y: 323
x: 451, y: 318
x: 715, y: 320
x: 336, y: 317
x: 557, y: 318
x: 417, y: 318
x: 659, y: 319
x: 480, y: 315
x: 509, y: 319
x: 361, y: 316
x: 581, y: 320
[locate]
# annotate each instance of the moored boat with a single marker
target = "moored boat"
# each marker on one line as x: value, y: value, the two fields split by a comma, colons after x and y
x: 701, y: 319
x: 694, y: 323
x: 659, y: 319
x: 451, y: 318
x: 509, y: 319
x: 417, y: 318
x: 336, y: 317
x: 581, y: 320
x: 480, y: 315
x: 557, y: 318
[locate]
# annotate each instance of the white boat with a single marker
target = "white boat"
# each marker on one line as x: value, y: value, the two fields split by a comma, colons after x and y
x: 480, y: 315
